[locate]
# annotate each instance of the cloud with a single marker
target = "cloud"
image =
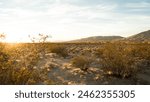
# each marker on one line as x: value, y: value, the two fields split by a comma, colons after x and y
x: 74, y: 18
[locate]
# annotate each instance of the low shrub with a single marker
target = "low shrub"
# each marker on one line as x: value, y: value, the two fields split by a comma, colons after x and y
x: 59, y: 49
x: 116, y: 61
x: 82, y: 62
x: 22, y: 72
x: 142, y: 51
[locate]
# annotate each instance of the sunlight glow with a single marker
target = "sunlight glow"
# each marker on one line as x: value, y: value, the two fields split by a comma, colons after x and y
x: 72, y: 19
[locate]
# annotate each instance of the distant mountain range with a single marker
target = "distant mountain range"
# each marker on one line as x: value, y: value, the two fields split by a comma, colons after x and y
x: 143, y: 36
x: 98, y: 39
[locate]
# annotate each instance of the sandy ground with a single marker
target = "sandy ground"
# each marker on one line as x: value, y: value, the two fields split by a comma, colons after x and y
x: 61, y: 72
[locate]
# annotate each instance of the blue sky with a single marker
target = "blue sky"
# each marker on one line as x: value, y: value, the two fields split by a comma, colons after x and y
x: 73, y: 19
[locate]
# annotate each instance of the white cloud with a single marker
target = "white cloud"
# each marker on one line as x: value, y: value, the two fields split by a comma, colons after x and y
x: 66, y: 20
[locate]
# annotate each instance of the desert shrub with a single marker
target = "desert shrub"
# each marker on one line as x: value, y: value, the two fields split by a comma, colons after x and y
x: 99, y: 52
x: 59, y: 49
x: 82, y: 62
x: 21, y: 76
x: 4, y: 57
x: 141, y: 51
x: 116, y: 61
x: 23, y: 72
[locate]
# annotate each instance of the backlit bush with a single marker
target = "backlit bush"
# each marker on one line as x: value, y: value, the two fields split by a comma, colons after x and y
x: 18, y: 66
x: 116, y: 60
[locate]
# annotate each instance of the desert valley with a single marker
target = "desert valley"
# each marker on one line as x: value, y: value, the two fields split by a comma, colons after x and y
x: 98, y: 60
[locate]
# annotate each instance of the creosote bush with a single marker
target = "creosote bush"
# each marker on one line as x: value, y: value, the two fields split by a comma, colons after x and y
x: 82, y: 62
x: 17, y: 66
x: 141, y: 51
x: 116, y: 60
x: 59, y: 49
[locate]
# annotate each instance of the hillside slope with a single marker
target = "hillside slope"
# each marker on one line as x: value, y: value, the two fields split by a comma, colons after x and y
x: 98, y: 39
x: 143, y: 36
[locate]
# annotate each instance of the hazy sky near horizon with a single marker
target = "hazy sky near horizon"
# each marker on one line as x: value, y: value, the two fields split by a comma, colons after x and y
x: 73, y: 19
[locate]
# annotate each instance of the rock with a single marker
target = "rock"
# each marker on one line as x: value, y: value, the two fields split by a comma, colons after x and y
x: 52, y: 55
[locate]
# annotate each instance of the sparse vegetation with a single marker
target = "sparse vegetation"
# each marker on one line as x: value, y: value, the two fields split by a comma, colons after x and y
x: 59, y: 49
x: 116, y: 60
x: 82, y: 62
x: 17, y: 66
x: 70, y: 63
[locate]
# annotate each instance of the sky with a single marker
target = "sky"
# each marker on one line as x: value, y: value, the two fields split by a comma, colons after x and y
x: 72, y: 19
